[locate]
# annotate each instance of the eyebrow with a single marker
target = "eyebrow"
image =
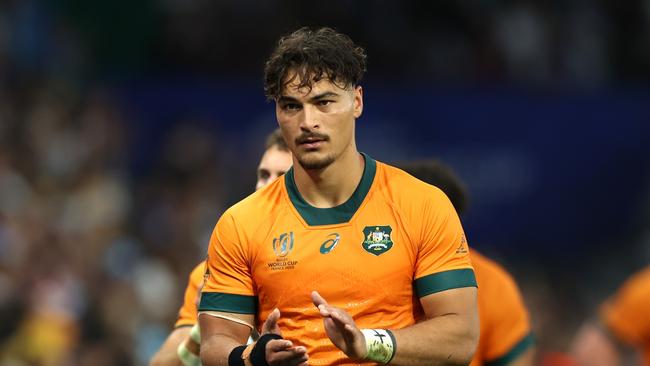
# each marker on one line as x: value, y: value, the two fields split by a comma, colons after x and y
x: 327, y: 94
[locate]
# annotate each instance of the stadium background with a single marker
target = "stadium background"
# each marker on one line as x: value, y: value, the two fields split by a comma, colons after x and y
x: 127, y: 127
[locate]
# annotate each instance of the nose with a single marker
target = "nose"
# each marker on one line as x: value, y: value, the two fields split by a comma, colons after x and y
x: 310, y: 118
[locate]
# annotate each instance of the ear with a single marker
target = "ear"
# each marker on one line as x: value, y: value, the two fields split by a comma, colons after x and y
x: 358, y: 101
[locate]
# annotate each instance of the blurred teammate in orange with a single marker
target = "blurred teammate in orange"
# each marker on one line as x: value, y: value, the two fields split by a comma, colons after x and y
x: 275, y: 161
x: 623, y: 325
x: 506, y: 337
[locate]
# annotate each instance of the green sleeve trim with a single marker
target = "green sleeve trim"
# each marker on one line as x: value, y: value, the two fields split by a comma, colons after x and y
x: 442, y: 281
x: 516, y: 351
x: 229, y: 303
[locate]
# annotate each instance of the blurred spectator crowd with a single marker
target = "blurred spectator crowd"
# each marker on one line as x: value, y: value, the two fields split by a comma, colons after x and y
x: 93, y: 259
x: 523, y: 41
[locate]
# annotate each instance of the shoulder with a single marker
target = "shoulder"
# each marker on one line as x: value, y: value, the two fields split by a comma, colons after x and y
x: 260, y: 202
x: 490, y: 272
x: 405, y: 189
x: 198, y: 272
x: 635, y: 291
x: 501, y: 307
x: 632, y: 298
x: 639, y: 280
x: 253, y: 215
x: 496, y: 286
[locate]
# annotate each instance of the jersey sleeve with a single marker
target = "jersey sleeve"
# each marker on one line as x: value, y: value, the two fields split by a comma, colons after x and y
x: 443, y: 260
x: 626, y: 314
x: 505, y: 322
x: 187, y: 314
x: 228, y: 285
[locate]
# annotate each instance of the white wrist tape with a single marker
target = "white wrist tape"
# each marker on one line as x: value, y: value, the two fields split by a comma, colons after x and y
x: 187, y: 358
x: 380, y: 344
x: 195, y: 333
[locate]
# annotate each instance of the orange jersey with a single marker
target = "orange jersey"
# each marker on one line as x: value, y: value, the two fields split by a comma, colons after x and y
x: 627, y: 313
x: 187, y: 315
x: 505, y: 324
x: 394, y: 240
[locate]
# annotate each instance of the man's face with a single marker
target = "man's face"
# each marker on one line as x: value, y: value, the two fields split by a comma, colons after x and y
x: 274, y: 163
x: 318, y: 124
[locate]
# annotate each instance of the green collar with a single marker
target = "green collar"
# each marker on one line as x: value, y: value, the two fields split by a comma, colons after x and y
x: 340, y: 214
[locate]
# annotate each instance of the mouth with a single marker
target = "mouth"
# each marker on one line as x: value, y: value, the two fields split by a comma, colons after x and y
x: 311, y: 142
x: 312, y: 145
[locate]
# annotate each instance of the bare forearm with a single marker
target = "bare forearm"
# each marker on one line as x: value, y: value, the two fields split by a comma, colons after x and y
x: 443, y: 340
x: 167, y: 355
x: 216, y: 349
x: 166, y: 359
x: 220, y: 334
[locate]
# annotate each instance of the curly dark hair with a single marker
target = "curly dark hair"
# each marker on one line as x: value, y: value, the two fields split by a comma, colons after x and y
x: 440, y: 175
x: 314, y: 54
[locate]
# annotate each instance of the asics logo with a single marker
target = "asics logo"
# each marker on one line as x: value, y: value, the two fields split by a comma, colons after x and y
x: 329, y: 244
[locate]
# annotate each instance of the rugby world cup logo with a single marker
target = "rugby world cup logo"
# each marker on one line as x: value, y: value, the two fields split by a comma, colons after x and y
x: 283, y: 244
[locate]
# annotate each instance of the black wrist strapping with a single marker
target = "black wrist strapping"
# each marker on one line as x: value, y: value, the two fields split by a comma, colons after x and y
x: 234, y: 358
x: 258, y: 354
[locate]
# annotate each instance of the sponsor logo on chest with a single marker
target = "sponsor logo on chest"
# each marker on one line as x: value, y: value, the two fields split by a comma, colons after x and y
x: 330, y: 243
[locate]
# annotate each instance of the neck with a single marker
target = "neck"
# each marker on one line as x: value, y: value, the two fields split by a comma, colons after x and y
x: 333, y: 185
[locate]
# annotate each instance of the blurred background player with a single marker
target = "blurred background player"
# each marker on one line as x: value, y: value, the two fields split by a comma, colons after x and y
x: 623, y: 327
x: 182, y: 346
x: 506, y: 337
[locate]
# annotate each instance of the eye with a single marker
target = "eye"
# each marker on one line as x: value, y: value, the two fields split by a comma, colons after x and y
x: 324, y: 103
x: 291, y: 107
x: 263, y: 174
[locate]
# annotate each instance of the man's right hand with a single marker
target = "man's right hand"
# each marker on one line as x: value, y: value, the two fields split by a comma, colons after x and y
x: 281, y: 352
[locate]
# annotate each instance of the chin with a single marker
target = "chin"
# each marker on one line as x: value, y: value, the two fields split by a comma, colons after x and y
x: 315, y: 162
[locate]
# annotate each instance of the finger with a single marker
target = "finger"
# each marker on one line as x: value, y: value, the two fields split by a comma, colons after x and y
x: 323, y: 307
x: 317, y: 299
x: 298, y: 360
x: 271, y: 322
x: 302, y: 360
x: 340, y: 319
x: 278, y: 345
x: 347, y: 327
x: 298, y: 351
x: 324, y: 310
x: 350, y: 329
x: 290, y: 356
